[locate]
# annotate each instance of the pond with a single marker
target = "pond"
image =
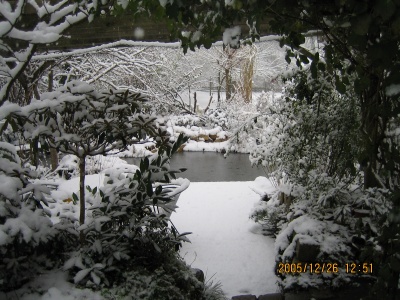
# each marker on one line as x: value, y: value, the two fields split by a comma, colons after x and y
x: 212, y: 167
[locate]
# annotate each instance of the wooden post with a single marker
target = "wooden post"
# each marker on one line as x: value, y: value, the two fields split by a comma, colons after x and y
x: 190, y: 100
x: 195, y: 102
x: 219, y: 87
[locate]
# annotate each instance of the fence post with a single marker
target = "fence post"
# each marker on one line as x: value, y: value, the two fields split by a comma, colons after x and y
x: 195, y: 102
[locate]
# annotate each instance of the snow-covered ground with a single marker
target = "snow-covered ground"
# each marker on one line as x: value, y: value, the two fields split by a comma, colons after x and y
x: 225, y: 243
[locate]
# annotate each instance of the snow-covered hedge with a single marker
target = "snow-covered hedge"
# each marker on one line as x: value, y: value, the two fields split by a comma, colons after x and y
x: 309, y: 146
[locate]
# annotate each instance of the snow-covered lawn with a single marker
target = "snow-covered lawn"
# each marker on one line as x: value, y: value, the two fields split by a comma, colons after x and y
x: 225, y: 243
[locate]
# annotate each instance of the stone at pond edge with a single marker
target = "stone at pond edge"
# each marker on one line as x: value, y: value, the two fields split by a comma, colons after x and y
x: 199, y: 274
x: 213, y: 137
x: 244, y: 297
x: 180, y: 149
x: 205, y: 137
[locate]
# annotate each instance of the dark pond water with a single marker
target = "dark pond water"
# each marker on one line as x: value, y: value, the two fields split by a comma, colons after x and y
x: 213, y: 167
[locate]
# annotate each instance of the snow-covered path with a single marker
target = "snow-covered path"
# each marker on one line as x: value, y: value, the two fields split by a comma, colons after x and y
x: 225, y: 242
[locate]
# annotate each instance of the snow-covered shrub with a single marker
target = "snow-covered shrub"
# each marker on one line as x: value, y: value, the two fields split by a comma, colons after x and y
x: 77, y: 119
x: 69, y: 165
x: 313, y: 128
x: 309, y: 145
x: 184, y: 120
x: 127, y: 225
x: 173, y: 280
x: 333, y: 240
x: 217, y: 117
x: 270, y: 213
x: 240, y: 119
x: 27, y: 236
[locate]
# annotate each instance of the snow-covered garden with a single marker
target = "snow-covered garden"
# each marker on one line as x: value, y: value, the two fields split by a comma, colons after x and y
x: 316, y: 108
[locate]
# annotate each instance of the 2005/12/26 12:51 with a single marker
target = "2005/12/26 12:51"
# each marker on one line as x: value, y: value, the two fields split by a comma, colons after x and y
x: 318, y: 268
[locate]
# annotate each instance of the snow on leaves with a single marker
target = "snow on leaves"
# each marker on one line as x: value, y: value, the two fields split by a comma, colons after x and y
x: 82, y: 121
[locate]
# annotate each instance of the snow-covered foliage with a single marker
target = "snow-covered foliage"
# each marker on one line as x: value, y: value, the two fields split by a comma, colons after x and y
x: 308, y: 143
x: 174, y: 280
x: 49, y: 21
x: 82, y: 121
x: 78, y: 119
x: 127, y: 222
x: 25, y: 229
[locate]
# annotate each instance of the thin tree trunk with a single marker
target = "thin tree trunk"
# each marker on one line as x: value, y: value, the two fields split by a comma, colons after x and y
x: 53, y: 158
x: 228, y: 85
x: 34, y: 149
x: 53, y: 151
x: 219, y: 88
x: 82, y: 167
x: 190, y: 100
x: 195, y: 102
x: 371, y: 106
x: 208, y: 106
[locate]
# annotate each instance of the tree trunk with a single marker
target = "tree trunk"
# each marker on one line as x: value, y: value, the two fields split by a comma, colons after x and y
x: 190, y: 99
x: 373, y: 126
x: 53, y: 151
x: 34, y: 151
x: 195, y: 102
x: 53, y: 158
x: 82, y: 169
x: 228, y: 84
x: 247, y: 79
x: 219, y: 88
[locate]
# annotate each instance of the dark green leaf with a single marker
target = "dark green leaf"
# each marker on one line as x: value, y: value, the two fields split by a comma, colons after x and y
x: 159, y: 190
x: 149, y: 188
x: 340, y: 87
x: 75, y: 198
x: 313, y: 69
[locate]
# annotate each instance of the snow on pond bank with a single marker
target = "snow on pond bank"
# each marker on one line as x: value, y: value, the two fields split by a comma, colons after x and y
x: 224, y: 241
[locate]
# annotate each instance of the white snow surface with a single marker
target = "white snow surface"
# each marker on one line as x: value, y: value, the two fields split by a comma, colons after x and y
x: 225, y: 243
